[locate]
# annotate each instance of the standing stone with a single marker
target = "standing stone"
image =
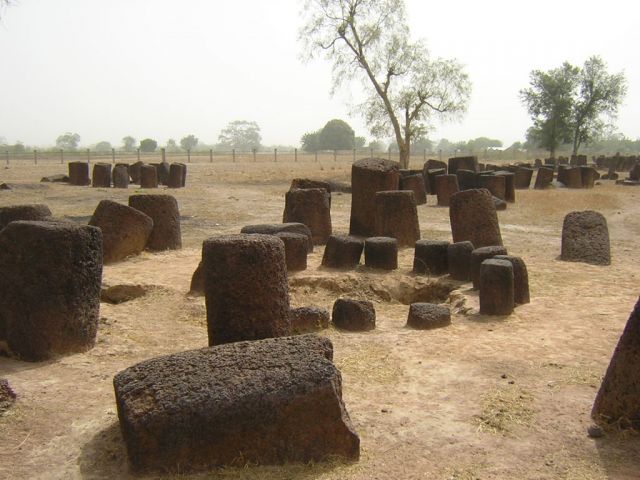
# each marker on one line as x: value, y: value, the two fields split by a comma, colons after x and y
x: 618, y: 401
x: 544, y: 178
x: 585, y: 238
x: 121, y: 175
x: 496, y: 287
x: 163, y: 210
x: 432, y: 164
x: 49, y: 288
x: 135, y: 170
x: 36, y: 211
x: 473, y: 217
x: 79, y: 173
x: 148, y: 176
x: 353, y: 315
x: 415, y: 183
x: 312, y: 207
x: 343, y: 252
x: 430, y: 179
x: 478, y: 256
x: 459, y: 260
x: 446, y: 186
x: 308, y: 319
x: 509, y: 185
x: 427, y: 316
x: 467, y: 179
x: 369, y: 176
x: 496, y: 184
x: 465, y: 163
x: 176, y: 175
x: 522, y: 179
x: 295, y: 250
x: 101, y: 177
x: 271, y: 401
x: 274, y: 228
x: 397, y: 216
x: 308, y: 183
x: 381, y: 252
x: 571, y: 178
x: 589, y: 176
x: 520, y: 278
x: 246, y: 289
x: 430, y: 257
x: 163, y: 170
x: 125, y: 230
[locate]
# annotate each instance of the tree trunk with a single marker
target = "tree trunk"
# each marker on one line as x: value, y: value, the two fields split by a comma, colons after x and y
x: 405, y: 154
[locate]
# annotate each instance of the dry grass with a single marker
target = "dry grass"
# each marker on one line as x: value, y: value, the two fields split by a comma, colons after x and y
x: 504, y: 408
x: 371, y: 363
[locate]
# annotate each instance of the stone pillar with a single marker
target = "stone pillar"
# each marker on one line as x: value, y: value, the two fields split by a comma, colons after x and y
x: 430, y: 257
x: 381, y: 253
x: 478, y: 256
x: 446, y: 186
x: 473, y: 217
x: 466, y: 163
x: 176, y: 175
x: 79, y: 173
x: 312, y: 207
x: 148, y: 176
x: 163, y: 210
x: 520, y: 278
x: 121, y: 175
x: 544, y: 178
x: 496, y: 184
x: 459, y: 260
x: 396, y: 216
x: 496, y: 287
x: 36, y: 211
x: 342, y: 252
x: 101, y: 177
x: 415, y: 183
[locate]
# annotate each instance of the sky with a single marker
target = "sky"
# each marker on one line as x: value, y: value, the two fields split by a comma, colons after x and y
x: 165, y: 69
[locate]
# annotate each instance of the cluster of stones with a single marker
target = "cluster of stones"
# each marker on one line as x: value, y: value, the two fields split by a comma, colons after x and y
x: 122, y: 174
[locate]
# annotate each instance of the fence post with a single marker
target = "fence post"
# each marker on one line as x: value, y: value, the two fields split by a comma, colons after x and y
x: 138, y: 152
x: 425, y: 155
x: 440, y: 154
x: 253, y: 151
x: 188, y: 155
x: 88, y: 156
x: 233, y: 155
x: 163, y: 155
x: 35, y: 157
x: 275, y: 154
x: 354, y: 154
x: 6, y: 154
x: 210, y: 155
x: 113, y: 155
x: 316, y: 156
x: 371, y: 152
x: 61, y: 156
x: 295, y: 155
x: 335, y: 155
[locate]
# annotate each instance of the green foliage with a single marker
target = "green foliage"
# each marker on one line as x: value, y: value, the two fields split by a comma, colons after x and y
x: 310, y: 141
x: 377, y: 146
x: 482, y: 143
x: 240, y: 135
x: 148, y: 145
x: 336, y: 135
x: 103, y: 146
x: 68, y: 141
x: 189, y: 142
x: 171, y: 145
x: 128, y: 144
x: 360, y: 142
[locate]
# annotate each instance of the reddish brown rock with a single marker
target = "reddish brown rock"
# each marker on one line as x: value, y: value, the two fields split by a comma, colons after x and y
x: 496, y: 287
x: 308, y: 319
x: 120, y: 175
x: 430, y: 257
x: 135, y: 171
x: 464, y: 163
x: 589, y: 176
x: 353, y: 315
x: 467, y: 179
x: 478, y: 256
x: 36, y: 211
x: 177, y: 175
x: 7, y: 396
x: 415, y: 183
x: 459, y: 260
x: 295, y: 250
x: 342, y: 252
x: 101, y: 177
x: 473, y: 217
x: 446, y: 186
x: 430, y: 179
x: 520, y: 278
x: 263, y: 402
x: 397, y: 217
x: 427, y: 316
x: 509, y: 185
x: 309, y: 183
x: 522, y: 179
x: 163, y: 210
x: 585, y: 238
x: 381, y: 253
x: 148, y: 176
x: 79, y: 173
x: 496, y: 184
x: 273, y: 228
x: 544, y: 177
x: 311, y: 207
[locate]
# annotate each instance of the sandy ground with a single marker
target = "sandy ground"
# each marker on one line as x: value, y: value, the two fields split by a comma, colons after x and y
x: 486, y: 398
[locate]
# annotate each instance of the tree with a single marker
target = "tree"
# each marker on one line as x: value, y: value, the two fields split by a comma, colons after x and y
x: 369, y: 40
x: 148, y: 145
x: 482, y: 143
x: 188, y: 142
x: 600, y: 93
x: 377, y: 146
x: 129, y: 144
x: 171, y: 145
x: 68, y: 141
x: 336, y: 135
x: 241, y: 135
x: 103, y: 146
x: 359, y: 142
x: 310, y: 141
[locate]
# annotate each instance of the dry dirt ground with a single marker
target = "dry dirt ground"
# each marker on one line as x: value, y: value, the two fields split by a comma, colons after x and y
x: 486, y: 398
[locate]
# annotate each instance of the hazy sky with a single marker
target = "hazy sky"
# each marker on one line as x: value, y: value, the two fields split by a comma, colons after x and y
x: 166, y: 68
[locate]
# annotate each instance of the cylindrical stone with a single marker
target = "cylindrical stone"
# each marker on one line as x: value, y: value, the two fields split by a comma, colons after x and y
x: 49, y: 288
x: 176, y: 175
x: 135, y: 171
x: 544, y: 177
x: 415, y: 183
x: 353, y: 315
x: 273, y: 228
x: 473, y: 217
x: 295, y: 250
x: 101, y: 177
x: 446, y: 186
x: 36, y: 211
x: 522, y: 179
x: 397, y: 216
x: 589, y: 176
x: 369, y: 176
x: 120, y: 175
x: 496, y: 184
x: 520, y: 278
x: 312, y: 207
x: 309, y: 183
x: 163, y: 210
x: 466, y: 179
x: 465, y: 163
x: 246, y: 289
x: 459, y: 260
x: 148, y: 176
x: 79, y: 173
x: 478, y: 256
x: 426, y: 316
x: 430, y: 257
x: 509, y: 185
x: 572, y: 177
x: 585, y: 238
x: 430, y: 179
x: 342, y: 251
x: 381, y: 253
x: 496, y: 287
x: 162, y: 169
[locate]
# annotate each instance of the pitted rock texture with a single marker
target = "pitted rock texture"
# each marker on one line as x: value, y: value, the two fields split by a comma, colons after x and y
x: 353, y: 315
x: 37, y: 211
x: 426, y: 316
x: 585, y: 238
x: 163, y: 210
x: 473, y: 217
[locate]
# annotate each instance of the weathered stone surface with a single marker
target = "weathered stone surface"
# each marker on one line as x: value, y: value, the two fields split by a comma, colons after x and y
x: 430, y: 257
x: 397, y: 216
x: 478, y: 256
x: 148, y: 176
x: 79, y: 173
x: 415, y: 183
x: 496, y: 287
x: 101, y: 177
x: 496, y: 184
x: 473, y: 217
x: 571, y: 177
x: 499, y: 203
x: 121, y: 293
x: 246, y: 288
x: 177, y: 175
x: 343, y: 252
x: 196, y: 287
x: 589, y: 176
x: 135, y: 171
x: 7, y: 396
x: 263, y: 402
x: 353, y: 315
x: 433, y: 164
x: 426, y: 316
x: 467, y: 179
x: 36, y: 211
x: 522, y: 179
x: 369, y: 176
x: 163, y: 210
x: 49, y: 288
x: 125, y: 230
x: 311, y: 207
x: 430, y: 179
x: 58, y: 178
x: 446, y: 187
x: 509, y: 185
x: 520, y: 278
x: 120, y: 175
x: 585, y: 238
x: 308, y: 319
x: 618, y: 400
x: 465, y: 163
x: 273, y: 228
x: 163, y: 170
x: 459, y: 260
x: 381, y: 253
x: 309, y: 183
x: 544, y: 177
x: 295, y: 250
